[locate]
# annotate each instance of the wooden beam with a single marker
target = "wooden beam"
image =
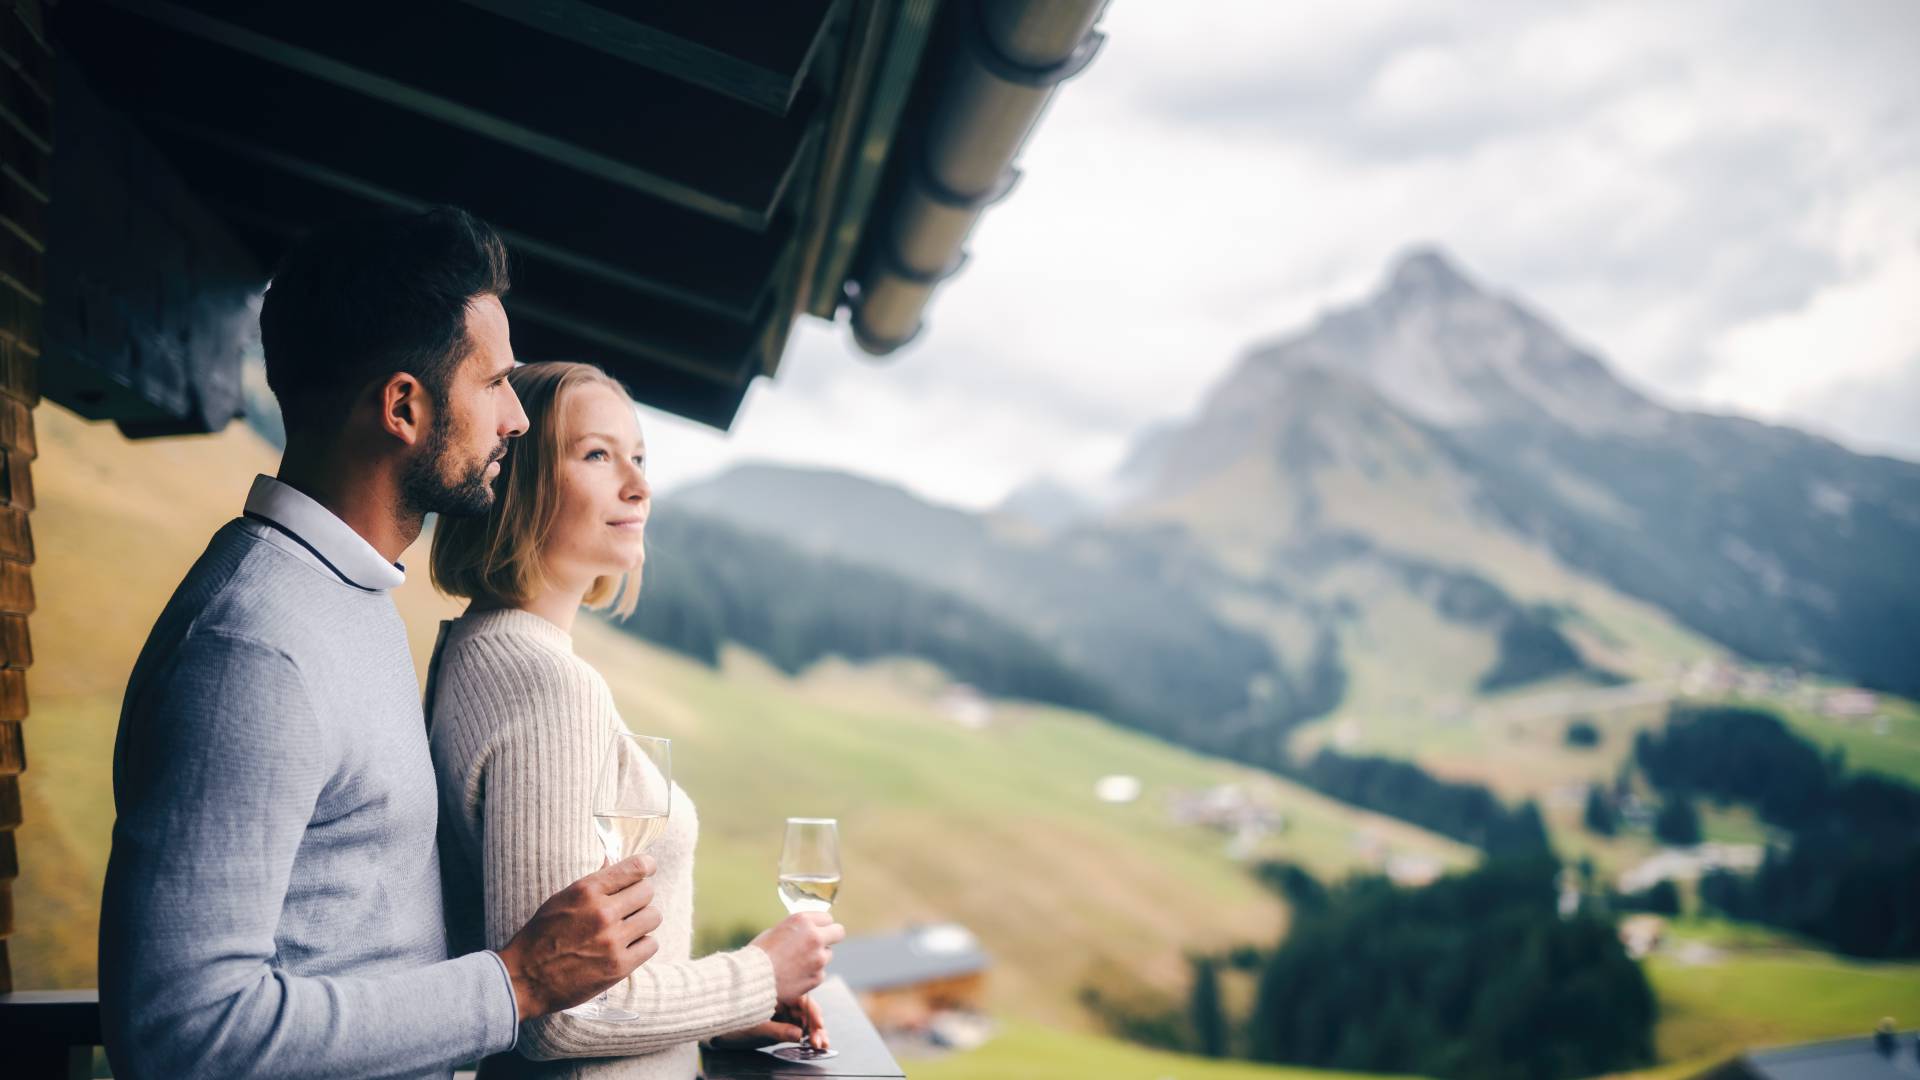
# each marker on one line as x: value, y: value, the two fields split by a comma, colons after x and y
x: 748, y: 50
x: 645, y: 132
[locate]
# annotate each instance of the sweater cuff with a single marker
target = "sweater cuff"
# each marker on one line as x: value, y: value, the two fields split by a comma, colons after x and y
x: 757, y: 981
x: 511, y: 1013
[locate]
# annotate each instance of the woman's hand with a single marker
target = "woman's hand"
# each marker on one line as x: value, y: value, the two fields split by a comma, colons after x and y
x: 800, y: 946
x: 785, y: 1027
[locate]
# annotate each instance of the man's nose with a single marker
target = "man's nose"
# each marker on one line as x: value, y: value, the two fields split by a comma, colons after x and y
x: 515, y: 421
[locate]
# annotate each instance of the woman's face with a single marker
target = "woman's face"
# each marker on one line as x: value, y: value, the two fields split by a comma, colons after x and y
x: 600, y: 519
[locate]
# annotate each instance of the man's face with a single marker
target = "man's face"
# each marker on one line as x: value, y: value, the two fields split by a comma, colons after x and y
x: 453, y: 472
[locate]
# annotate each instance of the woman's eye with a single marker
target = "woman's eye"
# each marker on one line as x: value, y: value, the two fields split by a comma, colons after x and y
x: 596, y: 455
x: 641, y: 462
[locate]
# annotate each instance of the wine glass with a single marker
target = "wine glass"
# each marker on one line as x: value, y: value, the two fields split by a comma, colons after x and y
x: 632, y: 794
x: 809, y: 880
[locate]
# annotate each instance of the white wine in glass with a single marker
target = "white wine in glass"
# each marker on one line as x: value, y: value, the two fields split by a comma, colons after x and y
x: 809, y: 881
x: 632, y: 795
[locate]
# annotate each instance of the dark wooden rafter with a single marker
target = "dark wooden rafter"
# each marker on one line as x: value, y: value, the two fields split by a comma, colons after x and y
x: 697, y: 41
x: 662, y: 146
x: 671, y: 259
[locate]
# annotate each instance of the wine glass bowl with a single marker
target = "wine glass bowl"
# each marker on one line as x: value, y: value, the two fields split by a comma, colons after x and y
x: 632, y: 797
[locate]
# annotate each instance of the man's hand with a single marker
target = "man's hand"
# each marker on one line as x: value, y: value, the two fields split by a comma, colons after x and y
x: 585, y: 938
x: 800, y: 946
x: 787, y: 1026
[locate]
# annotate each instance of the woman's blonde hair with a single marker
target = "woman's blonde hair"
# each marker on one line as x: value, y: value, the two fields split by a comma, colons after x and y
x: 495, y: 558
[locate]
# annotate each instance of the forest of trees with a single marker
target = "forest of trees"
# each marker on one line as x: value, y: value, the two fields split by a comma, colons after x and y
x: 1850, y: 877
x: 710, y: 583
x: 1476, y: 976
x: 1466, y: 812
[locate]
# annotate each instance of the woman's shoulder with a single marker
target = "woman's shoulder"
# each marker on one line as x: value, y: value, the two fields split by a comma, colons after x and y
x: 511, y: 667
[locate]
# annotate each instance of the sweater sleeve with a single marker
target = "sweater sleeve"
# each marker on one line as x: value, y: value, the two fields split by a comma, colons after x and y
x: 538, y: 838
x: 218, y: 770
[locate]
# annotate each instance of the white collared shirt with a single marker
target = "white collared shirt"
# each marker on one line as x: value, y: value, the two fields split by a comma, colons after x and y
x: 322, y: 535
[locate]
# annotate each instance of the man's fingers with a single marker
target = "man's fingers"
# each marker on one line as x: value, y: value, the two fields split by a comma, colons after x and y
x: 641, y: 951
x: 622, y: 875
x: 642, y: 921
x: 635, y: 897
x: 833, y: 934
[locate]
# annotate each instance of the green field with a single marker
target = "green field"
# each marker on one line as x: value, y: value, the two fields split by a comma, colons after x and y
x: 1768, y: 998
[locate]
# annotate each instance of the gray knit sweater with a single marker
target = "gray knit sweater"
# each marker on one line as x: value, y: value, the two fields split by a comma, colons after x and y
x: 272, y: 903
x: 518, y: 723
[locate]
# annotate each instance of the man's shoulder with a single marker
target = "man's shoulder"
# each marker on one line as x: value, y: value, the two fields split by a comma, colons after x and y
x: 244, y: 586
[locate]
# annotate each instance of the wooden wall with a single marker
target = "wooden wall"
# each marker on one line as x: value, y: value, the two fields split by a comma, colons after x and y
x: 26, y: 147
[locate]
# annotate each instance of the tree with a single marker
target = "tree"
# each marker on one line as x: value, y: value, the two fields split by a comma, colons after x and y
x: 1475, y: 975
x: 1205, y: 1011
x: 1600, y: 817
x: 1660, y: 898
x: 1583, y: 734
x: 1677, y: 823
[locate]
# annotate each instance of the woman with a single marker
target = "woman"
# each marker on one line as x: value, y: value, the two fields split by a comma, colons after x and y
x: 519, y: 723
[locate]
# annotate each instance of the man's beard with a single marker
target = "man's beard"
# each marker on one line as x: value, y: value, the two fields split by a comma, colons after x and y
x: 425, y: 487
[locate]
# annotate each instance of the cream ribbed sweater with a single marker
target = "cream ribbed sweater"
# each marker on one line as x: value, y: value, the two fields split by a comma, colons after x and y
x: 517, y: 724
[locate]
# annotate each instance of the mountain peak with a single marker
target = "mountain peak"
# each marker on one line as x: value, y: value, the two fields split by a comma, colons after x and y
x: 1427, y: 272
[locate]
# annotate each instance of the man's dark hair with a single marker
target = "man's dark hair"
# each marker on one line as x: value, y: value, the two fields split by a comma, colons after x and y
x: 364, y: 298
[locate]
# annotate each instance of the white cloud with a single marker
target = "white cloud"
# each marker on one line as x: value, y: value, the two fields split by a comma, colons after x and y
x: 1702, y: 192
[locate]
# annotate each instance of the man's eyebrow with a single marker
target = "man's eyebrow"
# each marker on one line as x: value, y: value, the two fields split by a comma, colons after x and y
x: 503, y: 372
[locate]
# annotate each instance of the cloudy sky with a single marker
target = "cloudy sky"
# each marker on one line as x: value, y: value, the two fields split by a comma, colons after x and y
x: 1723, y: 199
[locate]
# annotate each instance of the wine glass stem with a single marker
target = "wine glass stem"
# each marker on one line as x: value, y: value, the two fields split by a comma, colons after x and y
x: 806, y: 1025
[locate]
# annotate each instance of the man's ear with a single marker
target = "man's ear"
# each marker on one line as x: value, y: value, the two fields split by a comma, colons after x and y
x: 406, y: 410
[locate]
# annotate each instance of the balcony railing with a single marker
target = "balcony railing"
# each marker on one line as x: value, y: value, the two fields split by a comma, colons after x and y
x: 52, y: 1033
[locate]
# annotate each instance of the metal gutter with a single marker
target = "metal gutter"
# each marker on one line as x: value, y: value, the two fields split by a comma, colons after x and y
x: 900, y: 33
x: 1012, y: 56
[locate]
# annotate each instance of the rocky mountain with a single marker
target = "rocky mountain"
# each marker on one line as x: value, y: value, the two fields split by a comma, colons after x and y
x: 1439, y: 420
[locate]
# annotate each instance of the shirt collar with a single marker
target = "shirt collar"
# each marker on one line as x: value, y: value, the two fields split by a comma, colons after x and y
x: 324, y: 535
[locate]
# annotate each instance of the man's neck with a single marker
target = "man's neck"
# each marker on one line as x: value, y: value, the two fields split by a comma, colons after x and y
x: 364, y: 494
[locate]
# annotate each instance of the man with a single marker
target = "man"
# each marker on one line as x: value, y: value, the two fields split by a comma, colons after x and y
x: 272, y: 902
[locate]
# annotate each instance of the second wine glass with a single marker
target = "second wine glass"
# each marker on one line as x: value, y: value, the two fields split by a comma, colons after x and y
x: 809, y: 881
x: 632, y: 796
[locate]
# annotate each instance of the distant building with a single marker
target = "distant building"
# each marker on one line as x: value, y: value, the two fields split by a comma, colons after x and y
x: 1688, y: 864
x: 1850, y: 704
x: 1412, y: 871
x: 909, y: 980
x: 1885, y: 1055
x: 965, y: 706
x: 1641, y: 934
x: 1228, y: 807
